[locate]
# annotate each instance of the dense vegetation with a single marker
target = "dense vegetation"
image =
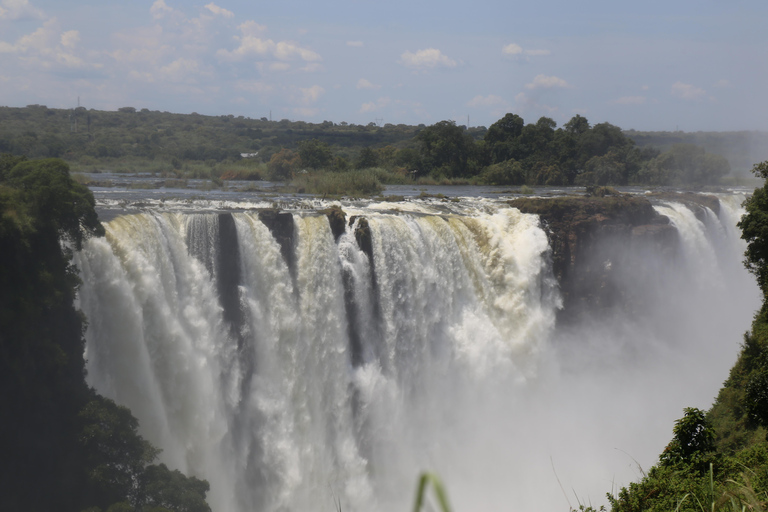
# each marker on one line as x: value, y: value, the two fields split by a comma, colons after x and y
x: 509, y: 152
x: 62, y: 446
x: 718, y: 459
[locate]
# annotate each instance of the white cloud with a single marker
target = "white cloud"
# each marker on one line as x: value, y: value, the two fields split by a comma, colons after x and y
x: 515, y: 50
x: 251, y: 28
x: 486, y: 101
x: 512, y: 49
x: 159, y: 9
x: 279, y: 66
x: 285, y: 50
x: 688, y: 91
x: 172, y: 54
x: 220, y: 11
x: 70, y: 38
x: 180, y: 70
x: 253, y: 46
x: 355, y: 44
x: 426, y: 59
x: 630, y: 100
x: 310, y: 95
x: 19, y: 9
x: 143, y: 45
x: 47, y: 47
x: 366, y: 84
x: 546, y: 82
x: 368, y: 107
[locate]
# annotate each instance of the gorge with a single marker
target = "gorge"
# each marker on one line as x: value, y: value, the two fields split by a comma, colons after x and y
x: 530, y: 351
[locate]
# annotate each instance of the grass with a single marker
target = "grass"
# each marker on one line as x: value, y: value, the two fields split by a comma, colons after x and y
x: 335, y: 184
x: 737, y: 497
x: 421, y: 491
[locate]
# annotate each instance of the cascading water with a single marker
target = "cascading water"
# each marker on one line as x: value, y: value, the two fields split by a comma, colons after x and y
x: 295, y: 372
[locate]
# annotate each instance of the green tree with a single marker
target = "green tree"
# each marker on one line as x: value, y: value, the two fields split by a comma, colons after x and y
x: 502, y: 138
x: 282, y: 165
x: 508, y: 172
x: 409, y: 158
x: 536, y: 139
x: 608, y: 169
x: 115, y: 453
x: 447, y: 150
x: 693, y: 439
x: 315, y: 154
x: 754, y: 229
x: 506, y: 129
x: 599, y: 140
x: 172, y: 490
x: 578, y: 125
x: 57, y: 201
x: 366, y: 159
x: 756, y: 397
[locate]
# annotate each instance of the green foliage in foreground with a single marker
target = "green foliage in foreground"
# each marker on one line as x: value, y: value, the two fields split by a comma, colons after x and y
x: 62, y: 446
x: 718, y: 460
x: 421, y: 492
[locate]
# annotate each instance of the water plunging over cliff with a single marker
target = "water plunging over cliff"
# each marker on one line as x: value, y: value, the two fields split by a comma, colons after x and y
x: 292, y: 366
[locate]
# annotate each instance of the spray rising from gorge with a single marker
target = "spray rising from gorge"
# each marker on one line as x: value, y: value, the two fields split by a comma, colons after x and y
x: 294, y: 363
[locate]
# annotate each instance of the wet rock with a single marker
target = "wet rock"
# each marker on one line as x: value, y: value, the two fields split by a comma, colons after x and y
x: 281, y: 226
x: 337, y: 219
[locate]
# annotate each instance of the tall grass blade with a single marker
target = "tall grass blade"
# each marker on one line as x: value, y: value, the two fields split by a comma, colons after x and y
x: 437, y: 485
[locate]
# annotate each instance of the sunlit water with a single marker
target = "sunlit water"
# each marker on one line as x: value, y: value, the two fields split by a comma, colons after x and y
x: 336, y: 380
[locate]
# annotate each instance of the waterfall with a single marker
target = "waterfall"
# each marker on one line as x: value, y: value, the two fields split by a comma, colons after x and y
x: 297, y: 369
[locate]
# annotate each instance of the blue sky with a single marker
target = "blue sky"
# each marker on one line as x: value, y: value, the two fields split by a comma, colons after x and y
x: 654, y: 65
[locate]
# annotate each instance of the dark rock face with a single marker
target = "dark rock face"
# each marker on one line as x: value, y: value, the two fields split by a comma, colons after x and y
x: 228, y: 275
x: 605, y: 250
x: 281, y: 226
x: 363, y: 236
x: 337, y: 219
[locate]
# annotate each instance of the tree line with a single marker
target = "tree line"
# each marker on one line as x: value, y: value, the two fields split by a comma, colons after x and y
x: 509, y: 152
